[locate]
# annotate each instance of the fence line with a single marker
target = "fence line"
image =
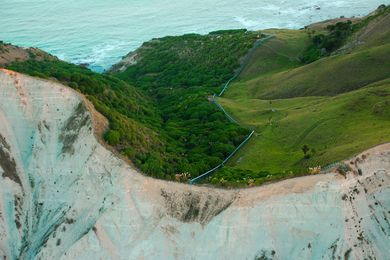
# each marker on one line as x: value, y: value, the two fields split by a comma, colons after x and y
x: 231, y: 119
x: 239, y: 147
x: 226, y: 86
x: 206, y: 174
x: 245, y: 62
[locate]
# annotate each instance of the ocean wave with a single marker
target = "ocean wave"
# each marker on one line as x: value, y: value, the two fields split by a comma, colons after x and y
x: 98, y: 32
x: 102, y: 55
x: 247, y: 23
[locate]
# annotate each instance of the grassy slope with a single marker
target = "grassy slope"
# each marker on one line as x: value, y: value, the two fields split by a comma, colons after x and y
x: 365, y: 60
x: 276, y: 54
x: 336, y: 127
x: 328, y: 76
x: 339, y: 106
x: 375, y: 31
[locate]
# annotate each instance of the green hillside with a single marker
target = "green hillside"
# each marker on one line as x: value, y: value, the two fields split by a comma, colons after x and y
x: 325, y: 77
x: 333, y: 128
x: 181, y: 74
x: 159, y: 113
x: 133, y: 119
x: 334, y: 107
x: 277, y: 54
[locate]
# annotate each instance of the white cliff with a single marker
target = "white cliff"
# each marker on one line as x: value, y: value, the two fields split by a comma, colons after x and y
x: 64, y: 195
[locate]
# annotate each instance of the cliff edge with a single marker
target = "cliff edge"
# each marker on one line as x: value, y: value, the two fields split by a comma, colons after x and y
x: 63, y: 195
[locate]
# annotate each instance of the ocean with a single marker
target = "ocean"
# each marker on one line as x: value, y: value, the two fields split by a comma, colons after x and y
x: 100, y: 32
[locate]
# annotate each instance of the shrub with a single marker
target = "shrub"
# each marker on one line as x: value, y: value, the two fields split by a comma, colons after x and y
x: 325, y: 44
x: 112, y: 137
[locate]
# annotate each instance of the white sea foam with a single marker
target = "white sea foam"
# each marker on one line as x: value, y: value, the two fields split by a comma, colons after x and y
x: 247, y: 23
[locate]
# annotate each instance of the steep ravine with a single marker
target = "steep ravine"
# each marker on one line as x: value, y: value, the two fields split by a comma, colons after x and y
x: 63, y: 195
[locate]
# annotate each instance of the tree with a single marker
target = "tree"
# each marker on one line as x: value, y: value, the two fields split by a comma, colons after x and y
x: 305, y: 150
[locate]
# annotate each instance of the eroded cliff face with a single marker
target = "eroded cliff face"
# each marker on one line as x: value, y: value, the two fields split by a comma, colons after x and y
x: 63, y: 195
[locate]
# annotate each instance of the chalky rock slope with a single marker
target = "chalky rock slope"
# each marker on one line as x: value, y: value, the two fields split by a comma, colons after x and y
x: 63, y: 195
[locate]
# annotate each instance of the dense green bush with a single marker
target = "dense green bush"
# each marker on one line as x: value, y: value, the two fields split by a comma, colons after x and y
x: 112, y: 137
x: 166, y: 124
x: 189, y: 60
x: 180, y: 73
x: 336, y: 35
x: 134, y: 121
x: 324, y: 44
